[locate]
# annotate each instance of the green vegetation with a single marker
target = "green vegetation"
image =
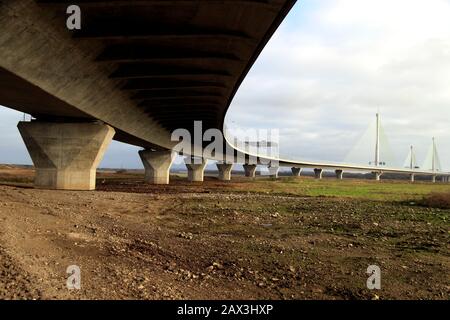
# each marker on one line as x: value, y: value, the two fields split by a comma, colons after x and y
x: 423, y: 193
x: 299, y: 242
x: 388, y: 190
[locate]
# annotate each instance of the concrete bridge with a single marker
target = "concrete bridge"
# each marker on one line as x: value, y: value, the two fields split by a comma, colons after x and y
x: 134, y: 72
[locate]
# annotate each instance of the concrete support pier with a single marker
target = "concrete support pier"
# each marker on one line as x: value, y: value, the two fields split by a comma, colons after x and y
x: 296, y: 172
x: 377, y: 175
x: 318, y: 173
x: 273, y: 172
x: 250, y: 170
x: 433, y: 179
x: 196, y: 169
x: 224, y: 171
x: 339, y: 174
x: 412, y: 177
x: 66, y: 155
x: 157, y: 165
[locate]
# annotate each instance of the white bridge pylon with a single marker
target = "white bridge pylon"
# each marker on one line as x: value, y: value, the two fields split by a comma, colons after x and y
x: 411, y: 160
x: 361, y: 158
x: 373, y: 147
x: 432, y: 161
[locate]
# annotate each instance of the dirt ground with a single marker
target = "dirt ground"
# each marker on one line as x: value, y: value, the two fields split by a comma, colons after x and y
x: 216, y: 241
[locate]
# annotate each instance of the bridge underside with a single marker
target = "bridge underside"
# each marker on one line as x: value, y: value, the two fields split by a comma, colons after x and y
x: 137, y: 69
x: 143, y: 67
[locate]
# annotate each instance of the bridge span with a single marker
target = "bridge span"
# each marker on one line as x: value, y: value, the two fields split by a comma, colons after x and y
x: 134, y: 71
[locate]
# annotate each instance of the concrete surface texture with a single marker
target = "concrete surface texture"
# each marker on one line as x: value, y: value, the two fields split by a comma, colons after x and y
x: 377, y: 175
x: 250, y: 170
x: 318, y: 173
x: 339, y: 174
x: 196, y: 170
x: 66, y: 155
x: 296, y: 172
x: 157, y: 165
x: 273, y: 171
x: 224, y: 171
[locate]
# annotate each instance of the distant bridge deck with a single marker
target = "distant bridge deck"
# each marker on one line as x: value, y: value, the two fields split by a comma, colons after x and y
x: 135, y: 71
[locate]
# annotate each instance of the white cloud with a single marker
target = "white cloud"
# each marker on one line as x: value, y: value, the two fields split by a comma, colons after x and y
x: 322, y: 79
x: 323, y: 76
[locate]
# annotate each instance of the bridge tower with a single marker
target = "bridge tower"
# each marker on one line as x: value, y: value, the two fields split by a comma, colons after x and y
x: 433, y: 161
x: 433, y: 156
x: 377, y: 141
x: 377, y: 174
x: 412, y: 162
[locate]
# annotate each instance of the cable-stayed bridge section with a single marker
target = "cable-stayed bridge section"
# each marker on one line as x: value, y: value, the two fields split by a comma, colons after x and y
x: 133, y: 71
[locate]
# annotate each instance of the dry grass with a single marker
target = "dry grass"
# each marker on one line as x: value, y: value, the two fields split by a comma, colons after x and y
x: 437, y: 200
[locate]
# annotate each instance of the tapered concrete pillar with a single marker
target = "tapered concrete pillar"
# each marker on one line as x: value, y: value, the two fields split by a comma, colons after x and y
x: 377, y: 175
x: 157, y: 165
x: 224, y: 171
x: 273, y: 172
x: 296, y: 172
x: 412, y: 177
x: 195, y: 170
x: 433, y: 179
x: 66, y: 155
x: 339, y: 174
x: 318, y: 173
x: 250, y: 170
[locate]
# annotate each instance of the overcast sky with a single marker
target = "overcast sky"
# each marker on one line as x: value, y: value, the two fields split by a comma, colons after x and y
x: 323, y: 76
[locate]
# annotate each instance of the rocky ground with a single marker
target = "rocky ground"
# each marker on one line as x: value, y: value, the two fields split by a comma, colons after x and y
x: 200, y: 242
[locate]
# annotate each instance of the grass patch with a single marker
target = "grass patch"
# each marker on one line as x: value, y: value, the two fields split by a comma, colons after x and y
x: 388, y: 190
